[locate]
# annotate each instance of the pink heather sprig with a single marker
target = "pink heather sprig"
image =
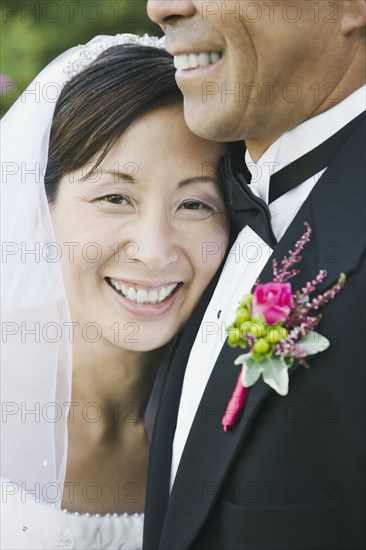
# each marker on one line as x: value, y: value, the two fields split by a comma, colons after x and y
x: 328, y: 295
x: 300, y: 323
x: 286, y: 273
x: 301, y: 330
x: 312, y: 285
x: 290, y: 350
x: 300, y: 311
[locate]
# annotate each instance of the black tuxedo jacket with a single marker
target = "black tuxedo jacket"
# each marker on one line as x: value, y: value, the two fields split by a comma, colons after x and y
x: 291, y: 474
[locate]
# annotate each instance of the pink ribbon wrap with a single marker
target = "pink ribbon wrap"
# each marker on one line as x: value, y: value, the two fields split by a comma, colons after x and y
x: 235, y: 406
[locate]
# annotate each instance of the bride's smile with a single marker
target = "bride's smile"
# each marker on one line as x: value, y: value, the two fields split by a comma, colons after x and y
x: 151, y: 209
x: 144, y: 303
x: 143, y: 293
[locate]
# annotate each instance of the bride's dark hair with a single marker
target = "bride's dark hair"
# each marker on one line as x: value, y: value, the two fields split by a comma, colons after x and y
x: 96, y: 106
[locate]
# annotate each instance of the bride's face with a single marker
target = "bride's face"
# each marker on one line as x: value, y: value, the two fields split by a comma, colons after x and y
x: 143, y: 236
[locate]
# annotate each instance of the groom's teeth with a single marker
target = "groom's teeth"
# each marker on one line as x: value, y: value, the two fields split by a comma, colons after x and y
x: 141, y: 295
x: 215, y: 57
x: 182, y: 62
x: 203, y: 59
x: 194, y: 60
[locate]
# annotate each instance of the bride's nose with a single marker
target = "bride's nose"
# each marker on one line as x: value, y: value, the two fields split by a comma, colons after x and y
x: 154, y: 242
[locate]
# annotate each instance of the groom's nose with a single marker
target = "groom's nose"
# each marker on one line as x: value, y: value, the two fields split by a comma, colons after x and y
x: 164, y: 11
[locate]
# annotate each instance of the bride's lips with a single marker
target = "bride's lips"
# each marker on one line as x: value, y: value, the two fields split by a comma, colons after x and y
x: 146, y: 310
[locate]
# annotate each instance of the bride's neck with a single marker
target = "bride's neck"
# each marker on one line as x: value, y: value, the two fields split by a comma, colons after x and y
x: 113, y: 379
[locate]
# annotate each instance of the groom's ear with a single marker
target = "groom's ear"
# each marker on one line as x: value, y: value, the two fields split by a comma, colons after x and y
x: 353, y: 15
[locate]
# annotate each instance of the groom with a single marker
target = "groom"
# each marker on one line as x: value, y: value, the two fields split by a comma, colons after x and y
x: 288, y: 78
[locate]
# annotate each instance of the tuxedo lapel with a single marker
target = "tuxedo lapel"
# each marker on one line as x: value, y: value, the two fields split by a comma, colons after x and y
x: 335, y: 210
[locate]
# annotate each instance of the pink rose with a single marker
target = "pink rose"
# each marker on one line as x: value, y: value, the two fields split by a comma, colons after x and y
x: 273, y: 301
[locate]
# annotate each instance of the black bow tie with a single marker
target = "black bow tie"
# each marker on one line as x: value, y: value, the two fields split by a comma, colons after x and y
x: 248, y: 209
x: 244, y: 206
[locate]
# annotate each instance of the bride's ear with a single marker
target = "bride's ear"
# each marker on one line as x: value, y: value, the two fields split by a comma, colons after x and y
x: 353, y: 15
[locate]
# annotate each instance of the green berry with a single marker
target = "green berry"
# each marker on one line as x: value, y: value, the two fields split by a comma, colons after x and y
x: 242, y: 315
x: 256, y: 328
x: 261, y: 346
x: 247, y: 301
x: 273, y: 336
x: 283, y: 333
x: 233, y: 337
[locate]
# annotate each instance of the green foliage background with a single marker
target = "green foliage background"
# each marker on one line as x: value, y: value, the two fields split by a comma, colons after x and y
x: 35, y: 32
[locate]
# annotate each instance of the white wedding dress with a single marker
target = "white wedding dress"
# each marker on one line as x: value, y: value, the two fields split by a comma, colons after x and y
x: 39, y: 526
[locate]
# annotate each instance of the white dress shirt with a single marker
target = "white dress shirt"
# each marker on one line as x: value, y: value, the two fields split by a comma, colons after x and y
x: 249, y: 254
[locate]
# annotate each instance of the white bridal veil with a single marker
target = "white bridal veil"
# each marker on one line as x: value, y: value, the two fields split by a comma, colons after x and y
x: 35, y: 321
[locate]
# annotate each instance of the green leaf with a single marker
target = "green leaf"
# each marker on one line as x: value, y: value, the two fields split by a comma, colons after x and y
x: 242, y: 358
x: 313, y: 343
x: 251, y: 370
x: 275, y: 374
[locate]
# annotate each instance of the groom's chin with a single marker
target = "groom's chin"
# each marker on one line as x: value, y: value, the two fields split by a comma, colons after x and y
x: 210, y: 120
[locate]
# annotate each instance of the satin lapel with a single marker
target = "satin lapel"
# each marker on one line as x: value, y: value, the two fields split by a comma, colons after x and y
x: 336, y: 246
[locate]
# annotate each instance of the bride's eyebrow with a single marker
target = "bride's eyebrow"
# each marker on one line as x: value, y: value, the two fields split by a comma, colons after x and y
x: 126, y: 176
x: 209, y: 178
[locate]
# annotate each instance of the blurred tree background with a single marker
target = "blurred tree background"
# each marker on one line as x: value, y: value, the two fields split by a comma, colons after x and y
x: 35, y: 32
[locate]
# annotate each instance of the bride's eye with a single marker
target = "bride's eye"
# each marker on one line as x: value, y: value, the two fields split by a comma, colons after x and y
x: 114, y: 199
x: 194, y: 205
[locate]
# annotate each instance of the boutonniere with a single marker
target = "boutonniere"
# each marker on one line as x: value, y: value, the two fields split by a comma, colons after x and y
x: 275, y: 326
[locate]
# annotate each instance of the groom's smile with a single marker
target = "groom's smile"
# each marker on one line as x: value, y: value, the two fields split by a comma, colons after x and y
x: 255, y: 56
x: 189, y: 61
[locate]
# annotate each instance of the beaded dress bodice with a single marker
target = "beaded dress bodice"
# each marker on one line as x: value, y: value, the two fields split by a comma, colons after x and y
x: 38, y: 526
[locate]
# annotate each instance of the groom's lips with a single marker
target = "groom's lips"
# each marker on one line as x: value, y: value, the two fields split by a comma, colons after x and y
x: 207, y: 72
x: 193, y: 60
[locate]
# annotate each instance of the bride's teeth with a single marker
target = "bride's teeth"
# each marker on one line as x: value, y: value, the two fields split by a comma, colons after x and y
x: 153, y: 296
x: 141, y: 296
x: 162, y: 294
x: 131, y: 294
x: 194, y: 60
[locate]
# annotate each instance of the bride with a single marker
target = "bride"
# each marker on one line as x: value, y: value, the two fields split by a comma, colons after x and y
x: 109, y: 200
